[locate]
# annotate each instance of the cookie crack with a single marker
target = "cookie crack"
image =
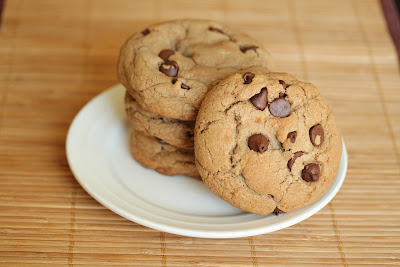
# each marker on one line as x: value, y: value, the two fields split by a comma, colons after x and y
x: 209, y: 152
x: 202, y: 167
x: 206, y: 127
x: 233, y: 150
x: 238, y: 123
x: 232, y: 153
x: 232, y: 105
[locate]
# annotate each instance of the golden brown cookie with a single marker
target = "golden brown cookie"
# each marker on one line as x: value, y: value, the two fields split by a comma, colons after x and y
x: 169, y: 67
x: 267, y: 143
x: 155, y: 154
x: 174, y: 132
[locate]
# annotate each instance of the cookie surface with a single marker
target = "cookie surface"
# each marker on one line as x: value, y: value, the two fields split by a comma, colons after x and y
x: 169, y: 67
x: 174, y: 132
x: 163, y: 158
x: 267, y: 143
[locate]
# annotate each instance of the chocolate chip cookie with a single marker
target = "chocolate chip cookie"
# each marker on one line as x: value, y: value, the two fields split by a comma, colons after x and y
x: 169, y: 67
x: 155, y: 154
x: 267, y: 143
x: 174, y: 132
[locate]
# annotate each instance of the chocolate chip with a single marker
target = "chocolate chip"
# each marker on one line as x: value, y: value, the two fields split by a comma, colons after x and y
x: 244, y: 49
x: 146, y: 32
x: 173, y: 80
x: 292, y: 160
x: 282, y: 95
x: 213, y: 29
x: 279, y: 108
x: 260, y: 100
x: 170, y: 68
x: 311, y: 172
x: 292, y: 136
x: 278, y: 211
x: 184, y: 86
x: 160, y: 141
x: 283, y: 84
x: 248, y: 77
x: 165, y: 54
x: 317, y: 135
x: 258, y: 143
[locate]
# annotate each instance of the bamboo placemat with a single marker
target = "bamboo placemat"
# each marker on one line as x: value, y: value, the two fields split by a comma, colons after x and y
x: 57, y: 55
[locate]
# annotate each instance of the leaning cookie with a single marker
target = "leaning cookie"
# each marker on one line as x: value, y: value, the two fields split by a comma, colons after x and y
x: 169, y: 67
x: 174, y: 132
x: 155, y: 154
x: 267, y: 143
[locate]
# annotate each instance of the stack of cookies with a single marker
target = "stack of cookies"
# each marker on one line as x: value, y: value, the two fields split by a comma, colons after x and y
x: 203, y: 103
x: 167, y: 69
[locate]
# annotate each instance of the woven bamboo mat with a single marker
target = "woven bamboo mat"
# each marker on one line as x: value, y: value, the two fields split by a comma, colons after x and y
x: 57, y: 55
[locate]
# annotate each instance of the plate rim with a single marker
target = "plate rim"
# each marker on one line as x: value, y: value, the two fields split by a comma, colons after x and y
x: 120, y: 210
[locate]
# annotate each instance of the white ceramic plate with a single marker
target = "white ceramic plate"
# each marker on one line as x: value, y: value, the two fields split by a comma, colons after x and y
x: 98, y: 154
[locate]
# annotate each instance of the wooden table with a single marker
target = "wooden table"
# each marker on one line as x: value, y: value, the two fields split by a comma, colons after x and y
x: 57, y: 55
